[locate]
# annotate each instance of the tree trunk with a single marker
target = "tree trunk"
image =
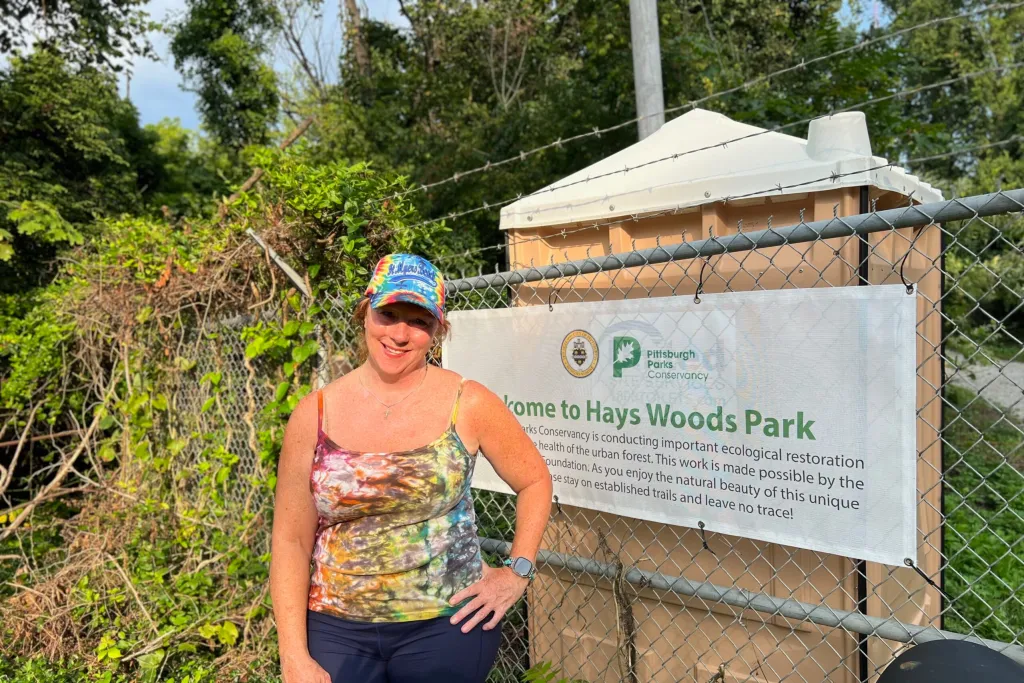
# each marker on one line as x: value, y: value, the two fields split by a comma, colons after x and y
x: 356, y: 38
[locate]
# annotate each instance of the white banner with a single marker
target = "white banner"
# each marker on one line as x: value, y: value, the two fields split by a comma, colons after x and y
x: 784, y: 416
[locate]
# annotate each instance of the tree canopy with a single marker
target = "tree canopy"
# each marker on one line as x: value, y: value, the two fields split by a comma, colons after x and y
x: 93, y: 32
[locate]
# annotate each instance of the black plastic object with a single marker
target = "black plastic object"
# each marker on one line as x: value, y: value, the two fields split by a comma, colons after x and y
x: 952, y: 661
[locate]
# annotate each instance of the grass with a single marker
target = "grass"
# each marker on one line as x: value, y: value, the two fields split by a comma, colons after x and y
x: 997, y: 349
x: 984, y: 507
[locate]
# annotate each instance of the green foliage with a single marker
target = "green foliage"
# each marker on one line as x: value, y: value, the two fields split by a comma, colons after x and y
x: 192, y: 172
x: 219, y: 47
x: 985, y: 257
x: 88, y: 32
x: 119, y: 247
x: 985, y: 109
x: 476, y: 82
x: 33, y: 334
x: 288, y: 346
x: 346, y: 216
x: 36, y: 670
x: 73, y: 151
x: 41, y: 221
x: 67, y: 156
x: 984, y: 509
x: 545, y: 672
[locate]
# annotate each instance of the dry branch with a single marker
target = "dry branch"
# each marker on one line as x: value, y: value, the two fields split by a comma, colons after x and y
x: 56, y: 493
x: 7, y: 474
x: 65, y: 467
x: 131, y: 587
x: 44, y: 437
x: 257, y: 173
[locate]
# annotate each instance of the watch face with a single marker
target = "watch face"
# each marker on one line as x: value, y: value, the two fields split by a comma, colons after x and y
x: 522, y: 566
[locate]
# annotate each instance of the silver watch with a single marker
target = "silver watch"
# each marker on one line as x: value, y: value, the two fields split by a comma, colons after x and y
x: 521, y: 567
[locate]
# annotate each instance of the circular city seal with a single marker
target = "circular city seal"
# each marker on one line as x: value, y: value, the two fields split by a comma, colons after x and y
x: 579, y: 353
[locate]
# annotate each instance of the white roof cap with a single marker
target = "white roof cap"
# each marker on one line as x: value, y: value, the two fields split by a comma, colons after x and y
x: 753, y: 163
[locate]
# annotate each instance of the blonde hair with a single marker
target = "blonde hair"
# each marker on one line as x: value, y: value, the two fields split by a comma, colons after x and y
x: 362, y: 309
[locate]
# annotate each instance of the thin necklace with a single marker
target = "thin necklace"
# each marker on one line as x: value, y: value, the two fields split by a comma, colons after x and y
x: 389, y: 407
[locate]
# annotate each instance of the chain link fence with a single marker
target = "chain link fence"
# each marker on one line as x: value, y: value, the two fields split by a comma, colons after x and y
x: 621, y: 599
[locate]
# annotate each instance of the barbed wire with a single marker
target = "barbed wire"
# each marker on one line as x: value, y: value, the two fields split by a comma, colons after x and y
x: 693, y: 104
x: 672, y: 157
x: 775, y: 188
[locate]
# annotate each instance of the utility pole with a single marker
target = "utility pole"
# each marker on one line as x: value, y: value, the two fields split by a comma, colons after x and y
x: 650, y: 100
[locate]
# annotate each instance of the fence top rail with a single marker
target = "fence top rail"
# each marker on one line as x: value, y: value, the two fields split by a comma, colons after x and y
x: 1009, y: 201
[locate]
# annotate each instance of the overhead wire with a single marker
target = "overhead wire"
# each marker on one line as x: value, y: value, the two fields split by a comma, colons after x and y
x: 764, y: 191
x: 486, y: 206
x: 693, y: 104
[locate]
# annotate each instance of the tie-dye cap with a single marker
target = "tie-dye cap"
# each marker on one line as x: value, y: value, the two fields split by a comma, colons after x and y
x: 409, y: 278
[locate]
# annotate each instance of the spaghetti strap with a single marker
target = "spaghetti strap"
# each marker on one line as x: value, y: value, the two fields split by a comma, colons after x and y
x: 319, y: 412
x: 455, y: 406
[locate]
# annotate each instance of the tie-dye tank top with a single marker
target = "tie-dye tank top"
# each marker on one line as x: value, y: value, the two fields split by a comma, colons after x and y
x: 396, y: 534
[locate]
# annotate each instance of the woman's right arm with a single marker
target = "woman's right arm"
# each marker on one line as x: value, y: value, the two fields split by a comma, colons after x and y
x: 292, y: 537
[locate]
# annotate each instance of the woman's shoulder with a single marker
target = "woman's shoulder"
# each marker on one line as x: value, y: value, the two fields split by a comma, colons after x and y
x: 307, y: 410
x: 339, y: 387
x: 476, y: 396
x: 440, y: 379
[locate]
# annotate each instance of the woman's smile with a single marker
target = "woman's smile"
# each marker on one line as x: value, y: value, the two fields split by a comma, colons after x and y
x: 392, y: 352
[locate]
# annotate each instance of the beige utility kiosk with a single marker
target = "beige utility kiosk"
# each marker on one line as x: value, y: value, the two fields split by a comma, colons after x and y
x: 759, y: 179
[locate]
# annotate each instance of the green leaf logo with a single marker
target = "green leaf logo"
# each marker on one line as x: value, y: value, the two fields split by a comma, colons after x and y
x: 626, y: 354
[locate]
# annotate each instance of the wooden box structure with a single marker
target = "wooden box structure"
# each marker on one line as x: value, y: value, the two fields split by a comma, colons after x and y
x: 704, y: 175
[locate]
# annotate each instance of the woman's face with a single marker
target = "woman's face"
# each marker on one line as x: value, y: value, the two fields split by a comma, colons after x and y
x: 399, y: 336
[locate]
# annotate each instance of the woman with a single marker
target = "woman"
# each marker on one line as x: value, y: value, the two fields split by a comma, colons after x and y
x: 373, y: 486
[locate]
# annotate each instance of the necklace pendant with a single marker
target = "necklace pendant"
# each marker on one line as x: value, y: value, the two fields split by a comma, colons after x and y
x: 386, y: 413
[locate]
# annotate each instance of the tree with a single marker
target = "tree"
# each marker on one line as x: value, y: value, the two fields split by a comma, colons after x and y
x: 89, y: 32
x: 72, y: 149
x: 985, y: 257
x: 477, y: 82
x: 219, y: 48
x: 979, y: 110
x: 192, y: 170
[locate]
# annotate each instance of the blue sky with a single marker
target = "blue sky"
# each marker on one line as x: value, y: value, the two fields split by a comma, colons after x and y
x: 156, y: 88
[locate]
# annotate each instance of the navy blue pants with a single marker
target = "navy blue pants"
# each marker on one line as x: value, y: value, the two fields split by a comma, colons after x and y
x: 428, y: 651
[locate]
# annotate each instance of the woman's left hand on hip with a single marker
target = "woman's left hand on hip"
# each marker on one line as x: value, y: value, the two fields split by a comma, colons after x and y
x: 492, y: 595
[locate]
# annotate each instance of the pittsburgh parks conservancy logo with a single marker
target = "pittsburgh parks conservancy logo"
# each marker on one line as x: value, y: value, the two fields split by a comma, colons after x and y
x: 579, y: 353
x: 626, y: 354
x: 664, y: 364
